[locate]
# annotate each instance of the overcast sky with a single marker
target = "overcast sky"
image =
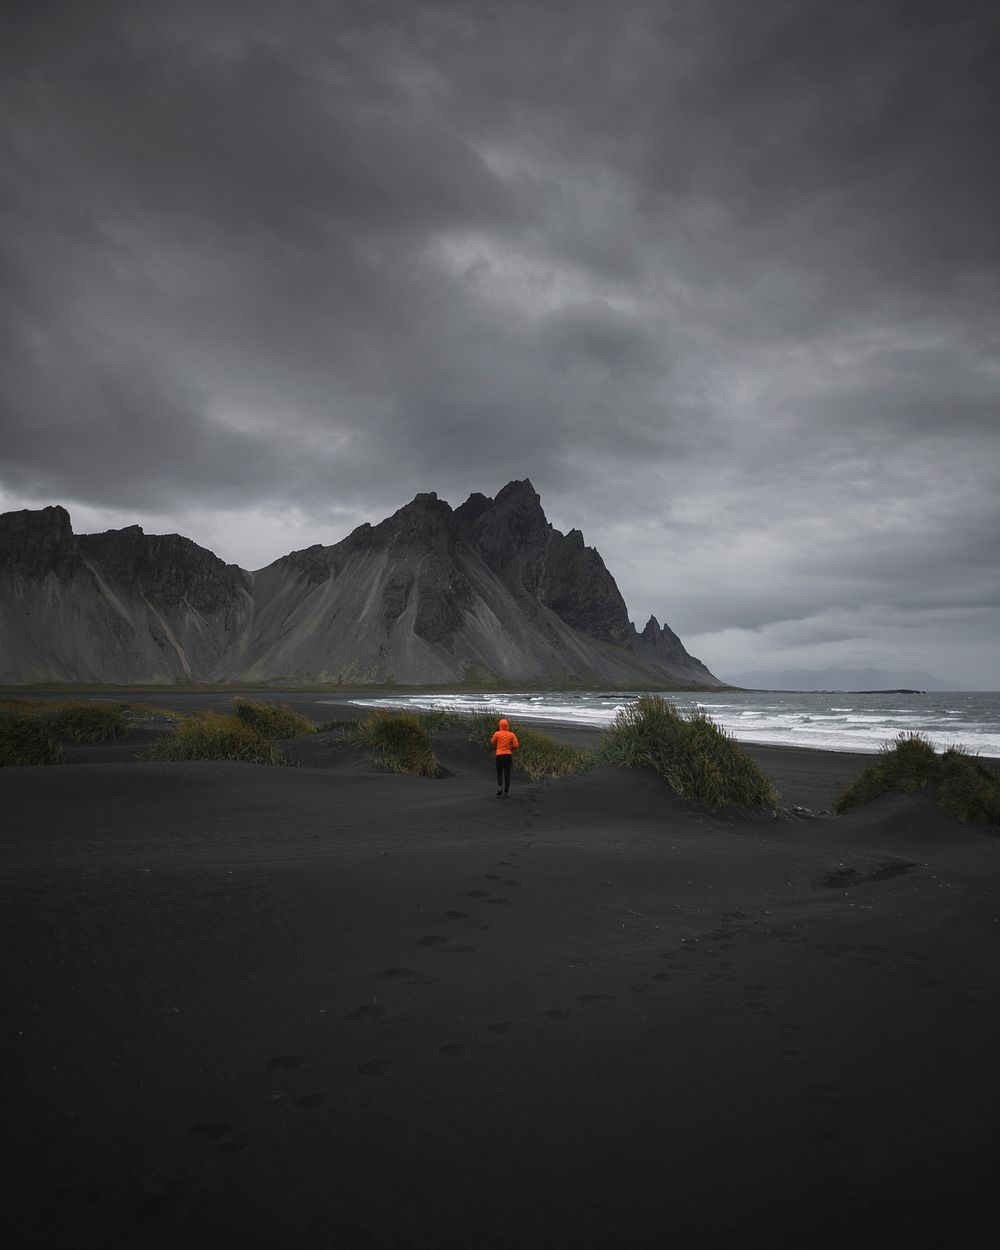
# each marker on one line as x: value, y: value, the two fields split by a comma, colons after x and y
x: 720, y: 277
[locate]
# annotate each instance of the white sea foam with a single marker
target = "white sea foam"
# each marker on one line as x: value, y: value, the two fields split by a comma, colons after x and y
x: 788, y: 719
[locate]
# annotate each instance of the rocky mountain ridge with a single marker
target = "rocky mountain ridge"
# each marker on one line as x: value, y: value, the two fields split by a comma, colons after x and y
x: 485, y: 592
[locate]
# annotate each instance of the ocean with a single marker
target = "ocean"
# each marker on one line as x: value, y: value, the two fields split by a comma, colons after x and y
x: 826, y: 721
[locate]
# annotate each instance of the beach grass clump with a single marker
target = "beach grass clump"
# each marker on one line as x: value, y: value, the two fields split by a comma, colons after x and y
x: 273, y: 720
x: 543, y: 757
x: 907, y: 763
x: 398, y: 742
x: 86, y: 722
x: 539, y: 755
x: 963, y: 787
x: 26, y: 739
x: 212, y: 736
x: 19, y: 707
x: 481, y: 726
x: 437, y: 720
x: 698, y: 759
x: 967, y: 789
x: 75, y: 720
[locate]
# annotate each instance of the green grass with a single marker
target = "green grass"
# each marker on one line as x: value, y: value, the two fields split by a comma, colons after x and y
x: 75, y: 720
x: 539, y: 755
x: 398, y: 742
x: 86, y: 722
x: 212, y: 736
x: 963, y: 786
x: 25, y: 739
x: 439, y: 719
x: 273, y: 720
x: 698, y: 759
x: 543, y: 757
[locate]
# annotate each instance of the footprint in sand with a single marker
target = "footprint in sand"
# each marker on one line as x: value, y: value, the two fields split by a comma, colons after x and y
x: 452, y: 1049
x: 498, y: 901
x: 374, y: 1067
x: 367, y: 1011
x: 463, y: 916
x: 433, y: 939
x: 284, y: 1063
x: 225, y: 1137
x: 173, y: 1202
x: 478, y: 894
x: 79, y: 1195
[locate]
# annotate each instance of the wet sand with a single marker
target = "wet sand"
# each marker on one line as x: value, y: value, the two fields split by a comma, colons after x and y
x: 326, y: 1006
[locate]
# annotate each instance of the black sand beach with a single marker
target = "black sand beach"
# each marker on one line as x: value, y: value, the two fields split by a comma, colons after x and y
x: 326, y: 1006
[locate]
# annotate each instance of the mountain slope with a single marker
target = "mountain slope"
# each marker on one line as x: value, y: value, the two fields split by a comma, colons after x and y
x: 488, y: 591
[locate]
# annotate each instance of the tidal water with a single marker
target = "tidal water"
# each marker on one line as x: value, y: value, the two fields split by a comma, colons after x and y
x: 829, y: 722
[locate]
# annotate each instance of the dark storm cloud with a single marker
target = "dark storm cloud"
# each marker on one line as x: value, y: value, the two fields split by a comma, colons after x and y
x: 721, y: 278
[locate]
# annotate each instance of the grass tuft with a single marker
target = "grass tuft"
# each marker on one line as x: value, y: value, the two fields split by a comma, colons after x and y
x: 212, y: 736
x: 968, y: 789
x: 25, y: 739
x: 698, y: 759
x: 86, y: 722
x: 437, y: 720
x: 539, y: 755
x: 273, y: 720
x: 542, y: 756
x: 398, y: 741
x: 963, y: 786
x: 75, y: 720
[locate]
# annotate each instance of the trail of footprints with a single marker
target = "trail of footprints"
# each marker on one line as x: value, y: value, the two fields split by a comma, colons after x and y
x: 460, y: 923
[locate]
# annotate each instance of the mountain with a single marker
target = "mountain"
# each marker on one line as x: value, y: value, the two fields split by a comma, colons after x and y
x: 485, y: 592
x: 855, y: 679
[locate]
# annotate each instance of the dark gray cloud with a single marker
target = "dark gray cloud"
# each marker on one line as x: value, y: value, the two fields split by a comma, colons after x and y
x: 722, y: 279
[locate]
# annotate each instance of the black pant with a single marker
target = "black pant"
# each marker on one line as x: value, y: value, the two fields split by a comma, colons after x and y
x: 503, y: 773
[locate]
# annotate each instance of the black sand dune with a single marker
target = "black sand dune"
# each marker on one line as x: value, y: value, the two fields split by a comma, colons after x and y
x: 326, y: 1006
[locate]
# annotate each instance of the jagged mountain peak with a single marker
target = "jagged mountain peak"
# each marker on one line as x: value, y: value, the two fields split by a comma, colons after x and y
x: 489, y: 590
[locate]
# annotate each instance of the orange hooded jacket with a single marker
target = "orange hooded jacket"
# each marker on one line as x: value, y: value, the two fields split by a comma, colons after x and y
x: 504, y: 741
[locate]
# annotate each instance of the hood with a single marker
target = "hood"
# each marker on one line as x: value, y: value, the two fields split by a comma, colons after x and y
x: 504, y: 725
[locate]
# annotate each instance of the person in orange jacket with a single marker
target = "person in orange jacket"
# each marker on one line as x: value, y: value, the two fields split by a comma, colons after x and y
x: 506, y: 744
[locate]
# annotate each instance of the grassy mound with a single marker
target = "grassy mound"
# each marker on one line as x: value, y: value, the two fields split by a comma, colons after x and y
x: 964, y: 787
x: 86, y: 722
x: 398, y: 741
x: 211, y: 736
x: 273, y: 720
x: 539, y: 755
x: 25, y: 739
x: 74, y: 721
x: 697, y: 758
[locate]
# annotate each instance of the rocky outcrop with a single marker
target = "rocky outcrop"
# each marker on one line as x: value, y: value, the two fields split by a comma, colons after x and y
x: 486, y: 591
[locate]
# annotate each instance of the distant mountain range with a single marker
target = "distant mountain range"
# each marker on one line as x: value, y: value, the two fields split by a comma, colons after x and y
x: 487, y: 592
x: 842, y: 679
